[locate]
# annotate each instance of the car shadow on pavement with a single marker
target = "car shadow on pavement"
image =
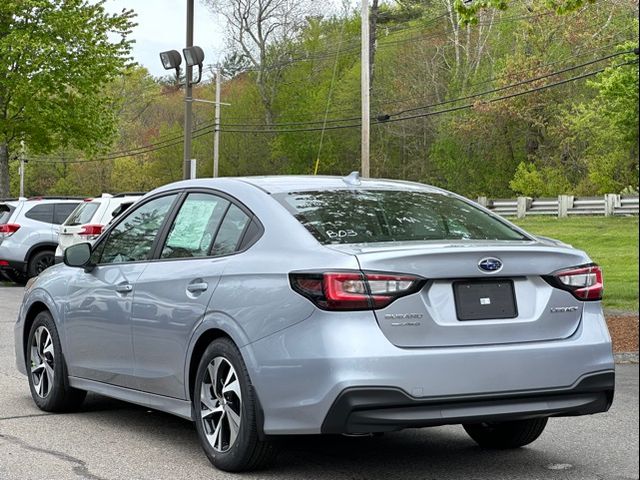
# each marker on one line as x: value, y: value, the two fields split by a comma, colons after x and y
x: 425, y: 453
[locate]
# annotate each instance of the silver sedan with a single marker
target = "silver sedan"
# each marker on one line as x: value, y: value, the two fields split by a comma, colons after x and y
x: 268, y: 306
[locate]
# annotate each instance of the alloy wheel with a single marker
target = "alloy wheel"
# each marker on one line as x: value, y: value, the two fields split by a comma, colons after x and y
x: 42, y: 361
x: 221, y: 404
x: 43, y: 263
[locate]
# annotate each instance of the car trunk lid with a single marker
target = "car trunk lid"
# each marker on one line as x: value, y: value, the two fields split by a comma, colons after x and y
x: 462, y: 305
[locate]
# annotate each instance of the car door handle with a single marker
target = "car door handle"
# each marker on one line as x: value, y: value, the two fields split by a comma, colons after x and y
x: 125, y: 288
x: 197, y: 287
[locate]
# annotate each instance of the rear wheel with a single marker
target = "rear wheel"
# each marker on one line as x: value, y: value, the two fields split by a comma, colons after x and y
x: 225, y: 409
x: 47, y: 373
x: 506, y: 435
x: 39, y: 262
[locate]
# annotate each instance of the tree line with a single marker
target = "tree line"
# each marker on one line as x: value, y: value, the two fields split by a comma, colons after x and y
x: 535, y: 99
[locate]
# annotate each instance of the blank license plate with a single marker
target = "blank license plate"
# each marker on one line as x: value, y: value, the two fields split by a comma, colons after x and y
x: 485, y: 300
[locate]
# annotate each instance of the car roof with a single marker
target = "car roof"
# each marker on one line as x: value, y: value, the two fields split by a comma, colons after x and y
x: 297, y: 183
x: 300, y: 183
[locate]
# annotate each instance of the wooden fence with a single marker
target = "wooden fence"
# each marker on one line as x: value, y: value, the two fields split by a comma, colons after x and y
x: 563, y: 205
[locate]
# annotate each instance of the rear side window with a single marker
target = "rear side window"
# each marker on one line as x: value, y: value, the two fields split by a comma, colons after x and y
x: 368, y: 216
x: 61, y: 212
x: 230, y: 232
x: 41, y: 213
x: 5, y: 213
x: 82, y: 214
x: 195, y: 226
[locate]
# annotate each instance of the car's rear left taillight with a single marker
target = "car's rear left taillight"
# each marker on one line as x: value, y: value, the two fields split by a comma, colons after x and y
x: 90, y: 231
x: 584, y: 282
x: 8, y: 229
x: 353, y: 290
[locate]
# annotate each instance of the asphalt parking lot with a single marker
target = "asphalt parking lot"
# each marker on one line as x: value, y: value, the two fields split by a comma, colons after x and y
x: 109, y: 439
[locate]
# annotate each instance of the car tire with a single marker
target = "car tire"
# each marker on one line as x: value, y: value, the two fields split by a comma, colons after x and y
x: 226, y: 411
x: 46, y: 369
x: 39, y: 262
x: 506, y: 435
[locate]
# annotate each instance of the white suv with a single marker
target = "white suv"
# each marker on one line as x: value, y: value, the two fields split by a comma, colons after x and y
x: 29, y: 234
x: 86, y: 222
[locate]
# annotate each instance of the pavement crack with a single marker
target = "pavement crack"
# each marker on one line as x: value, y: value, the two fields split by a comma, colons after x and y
x: 79, y: 466
x: 33, y: 415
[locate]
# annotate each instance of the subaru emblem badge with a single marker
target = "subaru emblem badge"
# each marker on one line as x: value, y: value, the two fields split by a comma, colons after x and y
x: 490, y: 265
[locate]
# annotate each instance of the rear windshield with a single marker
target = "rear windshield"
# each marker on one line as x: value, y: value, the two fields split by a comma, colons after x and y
x: 355, y: 216
x: 82, y: 214
x: 5, y: 213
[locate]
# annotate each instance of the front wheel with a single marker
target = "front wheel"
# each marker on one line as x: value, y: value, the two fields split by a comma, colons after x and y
x: 225, y: 411
x: 506, y: 435
x: 46, y: 369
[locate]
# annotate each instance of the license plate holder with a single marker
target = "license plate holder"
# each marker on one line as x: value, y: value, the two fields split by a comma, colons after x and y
x: 485, y: 299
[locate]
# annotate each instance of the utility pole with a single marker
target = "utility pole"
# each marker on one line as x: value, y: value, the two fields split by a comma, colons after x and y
x: 186, y: 167
x: 22, y: 164
x: 365, y: 85
x: 216, y: 134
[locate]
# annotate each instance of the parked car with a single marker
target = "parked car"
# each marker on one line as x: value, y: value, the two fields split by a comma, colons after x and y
x: 29, y: 234
x: 86, y: 222
x: 7, y: 205
x: 269, y: 306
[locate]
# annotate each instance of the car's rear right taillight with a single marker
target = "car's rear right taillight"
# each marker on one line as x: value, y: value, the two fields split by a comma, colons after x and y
x: 8, y: 229
x: 91, y: 231
x: 584, y: 282
x: 354, y: 290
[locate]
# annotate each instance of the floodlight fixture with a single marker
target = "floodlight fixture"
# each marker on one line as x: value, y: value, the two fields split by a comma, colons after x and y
x: 171, y: 60
x: 193, y: 56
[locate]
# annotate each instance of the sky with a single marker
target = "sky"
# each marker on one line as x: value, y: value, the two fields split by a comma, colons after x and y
x: 162, y: 26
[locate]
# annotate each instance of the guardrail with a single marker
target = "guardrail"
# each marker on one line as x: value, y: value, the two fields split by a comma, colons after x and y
x: 608, y: 205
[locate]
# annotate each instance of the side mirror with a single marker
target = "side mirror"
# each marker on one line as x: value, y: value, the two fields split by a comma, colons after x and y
x: 78, y: 255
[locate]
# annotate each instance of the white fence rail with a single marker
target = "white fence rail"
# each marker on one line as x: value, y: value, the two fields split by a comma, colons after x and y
x: 563, y: 205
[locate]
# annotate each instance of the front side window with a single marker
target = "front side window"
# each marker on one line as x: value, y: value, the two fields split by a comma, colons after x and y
x: 132, y: 239
x: 368, y: 216
x: 195, y: 226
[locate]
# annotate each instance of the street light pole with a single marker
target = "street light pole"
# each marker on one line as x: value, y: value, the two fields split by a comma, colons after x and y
x: 364, y: 87
x: 188, y: 126
x: 216, y: 135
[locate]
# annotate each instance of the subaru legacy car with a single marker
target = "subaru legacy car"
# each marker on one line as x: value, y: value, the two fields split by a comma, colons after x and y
x: 268, y: 306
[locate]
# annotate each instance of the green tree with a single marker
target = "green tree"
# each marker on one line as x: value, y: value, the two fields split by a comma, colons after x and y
x: 605, y: 129
x: 56, y: 56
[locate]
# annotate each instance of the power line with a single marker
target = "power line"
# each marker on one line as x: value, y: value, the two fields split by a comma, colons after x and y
x: 208, y: 129
x: 513, y: 85
x: 495, y: 90
x: 427, y: 114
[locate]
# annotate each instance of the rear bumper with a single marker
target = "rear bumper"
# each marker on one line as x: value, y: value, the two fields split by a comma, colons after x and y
x: 14, y: 266
x: 8, y: 253
x: 299, y: 374
x: 367, y: 410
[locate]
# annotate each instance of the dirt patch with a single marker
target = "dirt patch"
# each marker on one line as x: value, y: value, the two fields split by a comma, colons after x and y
x: 624, y: 331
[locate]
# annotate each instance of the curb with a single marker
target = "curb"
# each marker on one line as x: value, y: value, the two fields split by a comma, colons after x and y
x: 626, y: 357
